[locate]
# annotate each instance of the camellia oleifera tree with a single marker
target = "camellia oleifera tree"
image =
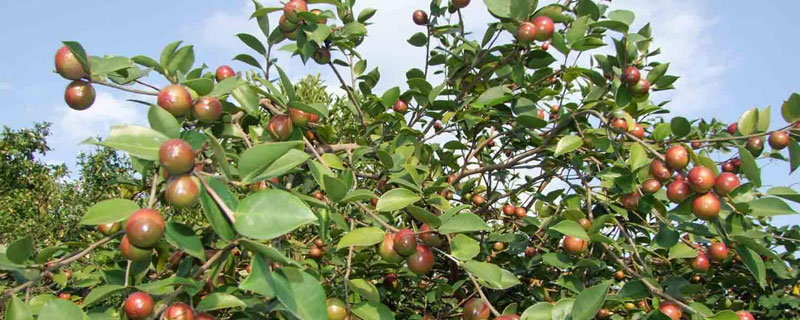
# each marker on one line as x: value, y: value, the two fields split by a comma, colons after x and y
x: 528, y: 178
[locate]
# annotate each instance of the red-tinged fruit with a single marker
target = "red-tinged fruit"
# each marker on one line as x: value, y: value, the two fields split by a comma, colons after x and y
x: 315, y: 252
x: 545, y: 46
x: 575, y: 245
x: 299, y: 117
x: 280, y: 127
x: 286, y: 26
x: 671, y: 310
x: 336, y: 309
x: 701, y: 263
x: 638, y: 131
x: 224, y: 72
x: 544, y: 28
x: 732, y: 128
x: 475, y: 309
x: 420, y: 17
x: 207, y: 109
x: 778, y: 140
x: 390, y: 281
x: 706, y: 206
x: 701, y: 179
x: 526, y: 32
x: 631, y: 75
x: 204, y: 316
x: 530, y: 252
x: 640, y: 88
x: 678, y: 190
x: 386, y: 249
x: 460, y: 3
x: 677, y: 157
x: 630, y: 201
x: 108, y: 229
x: 65, y: 296
x: 176, y: 156
x: 322, y: 56
x: 320, y: 18
x: 725, y: 183
x: 498, y: 246
x: 508, y: 317
x: 175, y: 99
x: 138, y: 305
x: 660, y: 171
x: 620, y: 124
x: 718, y: 251
x: 744, y: 315
x: 755, y: 145
x: 586, y: 224
x: 728, y: 166
x: 651, y: 186
x: 405, y: 242
x: 145, y: 228
x: 509, y: 209
x: 183, y: 191
x: 178, y: 311
x: 67, y: 65
x: 133, y: 253
x: 291, y: 8
x: 619, y: 275
x: 400, y: 106
x: 520, y: 212
x: 430, y: 237
x: 79, y: 95
x: 478, y: 200
x: 421, y: 261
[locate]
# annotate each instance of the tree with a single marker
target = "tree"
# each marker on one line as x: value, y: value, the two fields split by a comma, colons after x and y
x: 509, y: 179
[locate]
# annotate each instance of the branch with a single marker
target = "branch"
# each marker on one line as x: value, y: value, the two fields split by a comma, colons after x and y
x: 153, y: 189
x: 376, y: 217
x: 124, y: 88
x: 228, y: 212
x: 350, y: 94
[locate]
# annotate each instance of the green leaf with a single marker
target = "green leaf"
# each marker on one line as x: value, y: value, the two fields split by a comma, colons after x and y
x: 657, y: 72
x: 748, y: 121
x: 538, y: 311
x: 252, y: 42
x: 568, y: 144
x: 271, y: 213
x: 682, y: 251
x: 424, y: 216
x: 102, y: 66
x: 464, y: 222
x: 589, y: 301
x: 634, y: 289
x: 140, y: 142
x: 79, y: 53
x: 101, y: 292
x: 146, y: 61
x: 17, y: 310
x: 749, y: 166
x: 226, y: 86
x: 563, y: 309
x: 794, y: 155
x: 287, y: 85
x: 662, y: 131
x: 355, y: 29
x: 587, y: 43
x: 61, y: 310
x: 680, y: 127
x: 499, y: 8
x: 464, y: 248
x: 724, y: 315
x: 268, y: 251
x: 578, y: 29
x: 366, y: 14
x: 361, y: 237
x: 203, y: 86
x: 366, y: 289
x: 358, y: 195
x: 257, y: 160
x: 418, y: 39
x: 213, y: 213
x: 368, y: 310
x: 785, y: 192
x: 624, y: 16
x: 396, y: 199
x: 20, y: 250
x: 257, y: 281
x: 756, y: 246
x: 334, y: 187
x: 163, y: 121
x: 494, y: 96
x: 319, y: 33
x: 109, y: 211
x: 770, y: 206
x: 570, y: 228
x: 491, y: 275
x: 247, y: 99
x: 219, y: 300
x: 168, y: 52
x: 790, y: 110
x: 301, y: 293
x: 763, y: 119
x: 182, y: 60
x: 754, y: 263
x: 248, y: 59
x: 183, y: 237
x: 639, y: 157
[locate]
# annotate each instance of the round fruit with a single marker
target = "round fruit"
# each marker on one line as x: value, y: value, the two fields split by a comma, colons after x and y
x: 405, y: 242
x: 700, y: 263
x: 109, y: 228
x: 175, y: 99
x: 291, y: 8
x: 620, y: 124
x: 80, y: 95
x: 585, y: 224
x: 725, y: 183
x: 315, y: 252
x: 619, y: 275
x: 718, y: 251
x: 744, y: 315
x: 544, y: 28
x: 660, y: 171
x: 176, y: 156
x: 727, y: 166
x: 429, y: 237
x: 322, y: 56
x: 651, y: 186
x: 778, y: 140
x: 318, y: 195
x: 178, y: 311
x: 545, y: 46
x: 530, y: 252
x: 420, y: 17
x: 706, y: 206
x: 696, y: 145
x: 336, y: 309
x: 641, y: 88
x: 280, y: 127
x: 460, y: 3
x: 204, y: 316
x: 508, y: 317
x: 732, y: 128
x: 701, y: 179
x: 677, y: 157
x: 390, y: 281
x: 437, y: 126
x: 400, y: 106
x: 386, y: 249
x: 575, y: 245
x: 478, y: 200
x: 421, y: 261
x: 520, y: 212
x: 638, y: 131
x: 131, y: 252
x: 320, y: 18
x: 509, y: 209
x: 64, y: 296
x: 670, y: 310
x: 475, y: 309
x: 631, y: 75
x: 526, y: 32
x: 207, y: 109
x: 224, y: 72
x: 630, y: 201
x: 603, y: 314
x: 498, y: 246
x: 319, y: 243
x: 67, y: 65
x: 755, y: 145
x: 286, y: 26
x: 183, y: 191
x: 138, y: 305
x: 299, y: 117
x: 677, y: 191
x: 145, y: 228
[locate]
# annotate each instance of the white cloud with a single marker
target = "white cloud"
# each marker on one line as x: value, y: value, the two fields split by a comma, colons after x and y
x: 5, y: 86
x: 71, y: 127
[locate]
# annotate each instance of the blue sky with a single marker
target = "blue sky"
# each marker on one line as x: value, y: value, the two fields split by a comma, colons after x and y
x: 731, y: 55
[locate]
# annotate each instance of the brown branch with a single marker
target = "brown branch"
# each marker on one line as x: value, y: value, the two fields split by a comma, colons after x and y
x: 153, y: 189
x: 228, y: 212
x: 350, y: 94
x: 124, y: 88
x: 376, y: 217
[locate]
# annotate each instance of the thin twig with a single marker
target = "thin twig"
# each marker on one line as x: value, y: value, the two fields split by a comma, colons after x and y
x: 124, y: 88
x: 228, y: 212
x: 152, y: 200
x: 376, y: 217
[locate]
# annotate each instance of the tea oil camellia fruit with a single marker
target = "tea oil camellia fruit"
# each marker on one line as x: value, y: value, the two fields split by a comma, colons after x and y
x: 400, y: 106
x: 386, y: 249
x: 420, y: 17
x: 204, y: 316
x: 178, y: 311
x: 320, y: 18
x: 671, y: 310
x: 138, y: 305
x: 520, y: 212
x: 755, y: 145
x: 68, y: 66
x: 322, y: 56
x: 183, y: 191
x: 544, y: 28
x: 286, y: 26
x: 728, y: 166
x: 315, y: 252
x: 641, y: 88
x: 65, y: 296
x: 732, y: 128
x: 718, y: 251
x: 706, y: 206
x: 299, y: 117
x: 460, y: 3
x: 421, y: 261
x: 631, y: 75
x: 620, y: 124
x: 526, y: 32
x: 638, y: 131
x: 80, y: 95
x: 701, y: 179
x: 744, y: 315
x: 631, y: 201
x: 660, y: 171
x: 176, y: 156
x: 725, y: 183
x: 336, y: 309
x: 224, y: 72
x: 508, y: 317
x: 478, y: 200
x: 475, y: 309
x: 651, y: 186
x: 677, y: 157
x: 405, y: 242
x: 280, y: 127
x: 586, y: 224
x: 145, y: 228
x: 390, y: 281
x: 700, y: 263
x: 175, y: 99
x: 619, y: 275
x: 429, y: 237
x: 207, y: 109
x: 133, y: 253
x: 108, y: 229
x: 778, y: 140
x: 575, y: 245
x: 509, y: 209
x: 291, y: 8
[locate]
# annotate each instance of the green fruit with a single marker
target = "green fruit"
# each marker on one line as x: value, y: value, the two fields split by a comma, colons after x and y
x: 336, y: 309
x: 79, y: 95
x: 145, y: 228
x: 176, y: 156
x: 322, y: 56
x: 183, y: 191
x: 207, y: 109
x: 133, y: 253
x: 386, y: 249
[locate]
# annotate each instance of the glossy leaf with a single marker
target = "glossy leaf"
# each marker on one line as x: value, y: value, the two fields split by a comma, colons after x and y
x: 271, y: 213
x: 361, y: 237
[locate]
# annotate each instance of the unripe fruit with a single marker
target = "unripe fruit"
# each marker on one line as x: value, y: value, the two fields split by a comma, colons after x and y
x: 315, y: 252
x: 520, y: 212
x: 176, y: 156
x: 178, y: 311
x: 575, y: 245
x: 778, y: 140
x: 207, y: 109
x: 405, y: 242
x: 183, y: 191
x: 670, y: 310
x: 64, y: 296
x: 585, y: 224
x: 320, y: 18
x: 677, y: 157
x: 651, y: 186
x: 508, y: 317
x: 677, y: 191
x: 696, y: 279
x: 554, y: 111
x: 619, y: 275
x: 67, y: 65
x: 641, y: 88
x: 718, y: 251
x: 732, y: 128
x: 108, y: 229
x: 620, y: 124
x: 744, y: 315
x: 291, y: 8
x: 138, y: 305
x: 133, y: 253
x: 706, y: 206
x: 280, y: 127
x: 286, y: 26
x: 478, y: 200
x: 701, y: 179
x: 80, y: 95
x: 421, y: 261
x: 400, y: 106
x: 299, y: 117
x: 420, y: 17
x: 336, y: 309
x: 638, y: 131
x: 700, y: 263
x: 386, y: 249
x: 725, y: 183
x: 460, y: 3
x: 475, y: 309
x: 224, y: 72
x: 373, y: 202
x: 660, y: 171
x: 526, y: 32
x: 145, y: 228
x: 631, y: 75
x: 509, y: 209
x: 755, y: 145
x: 544, y: 28
x: 498, y: 246
x: 631, y: 201
x: 203, y: 316
x: 322, y: 56
x: 430, y: 238
x: 175, y: 99
x: 319, y: 243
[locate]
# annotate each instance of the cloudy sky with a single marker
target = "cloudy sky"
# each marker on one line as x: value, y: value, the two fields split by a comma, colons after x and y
x: 731, y: 55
